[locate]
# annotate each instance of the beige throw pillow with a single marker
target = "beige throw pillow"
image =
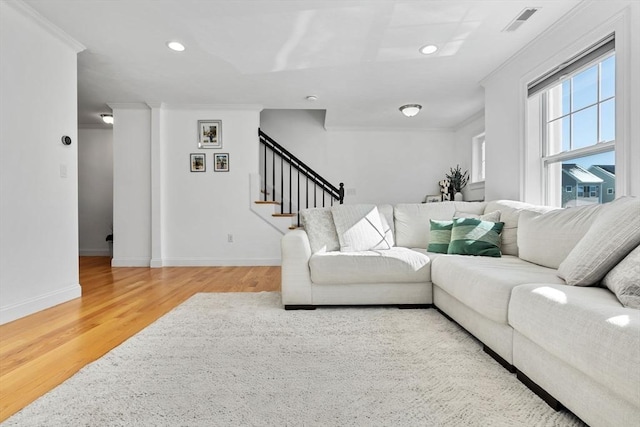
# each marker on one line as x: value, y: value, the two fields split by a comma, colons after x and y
x: 624, y: 280
x: 611, y: 237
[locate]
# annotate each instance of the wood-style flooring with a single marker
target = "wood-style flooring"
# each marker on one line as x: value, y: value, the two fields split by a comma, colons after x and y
x: 40, y: 351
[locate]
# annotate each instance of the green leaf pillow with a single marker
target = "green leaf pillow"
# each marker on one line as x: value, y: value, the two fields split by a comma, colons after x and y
x: 439, y: 236
x: 472, y: 236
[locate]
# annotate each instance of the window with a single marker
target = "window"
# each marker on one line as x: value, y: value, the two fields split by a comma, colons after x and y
x: 478, y: 158
x: 576, y: 113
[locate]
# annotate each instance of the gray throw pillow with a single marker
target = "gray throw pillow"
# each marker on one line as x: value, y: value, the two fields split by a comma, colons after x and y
x: 624, y: 280
x: 318, y: 223
x: 612, y: 236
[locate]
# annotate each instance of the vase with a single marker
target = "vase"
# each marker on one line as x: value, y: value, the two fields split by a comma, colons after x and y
x: 458, y: 197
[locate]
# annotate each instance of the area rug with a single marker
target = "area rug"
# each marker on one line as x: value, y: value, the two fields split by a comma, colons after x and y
x: 239, y: 359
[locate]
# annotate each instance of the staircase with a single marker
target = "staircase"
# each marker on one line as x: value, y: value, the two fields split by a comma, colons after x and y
x: 286, y: 185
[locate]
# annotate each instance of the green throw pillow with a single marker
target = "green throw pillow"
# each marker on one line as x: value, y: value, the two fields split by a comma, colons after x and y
x: 471, y: 236
x: 439, y: 236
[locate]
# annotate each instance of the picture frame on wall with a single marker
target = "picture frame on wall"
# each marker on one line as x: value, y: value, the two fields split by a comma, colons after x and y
x: 221, y: 162
x: 209, y: 133
x: 198, y: 162
x: 433, y: 198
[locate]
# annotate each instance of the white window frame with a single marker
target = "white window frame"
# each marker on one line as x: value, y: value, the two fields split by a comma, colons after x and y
x: 478, y: 158
x: 532, y: 171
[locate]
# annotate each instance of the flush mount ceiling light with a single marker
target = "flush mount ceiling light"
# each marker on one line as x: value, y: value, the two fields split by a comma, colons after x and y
x: 177, y: 46
x: 107, y: 118
x: 428, y: 49
x: 311, y: 98
x: 410, y: 110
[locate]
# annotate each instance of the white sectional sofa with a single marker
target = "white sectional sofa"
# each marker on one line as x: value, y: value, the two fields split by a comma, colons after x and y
x: 575, y: 345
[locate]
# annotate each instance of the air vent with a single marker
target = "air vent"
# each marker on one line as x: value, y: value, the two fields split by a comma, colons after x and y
x: 521, y: 18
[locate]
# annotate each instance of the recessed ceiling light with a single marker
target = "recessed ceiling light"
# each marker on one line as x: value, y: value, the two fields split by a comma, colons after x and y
x: 177, y: 46
x: 428, y: 49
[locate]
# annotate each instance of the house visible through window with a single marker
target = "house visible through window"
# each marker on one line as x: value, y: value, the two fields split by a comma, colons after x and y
x: 576, y: 106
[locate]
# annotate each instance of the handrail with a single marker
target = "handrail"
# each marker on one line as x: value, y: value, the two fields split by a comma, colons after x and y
x: 318, y: 183
x: 337, y: 193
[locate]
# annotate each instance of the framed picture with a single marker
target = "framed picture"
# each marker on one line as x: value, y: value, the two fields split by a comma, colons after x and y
x: 209, y: 133
x: 221, y: 162
x: 433, y: 198
x: 198, y: 162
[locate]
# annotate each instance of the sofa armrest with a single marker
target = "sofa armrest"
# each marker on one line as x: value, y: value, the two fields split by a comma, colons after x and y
x: 296, y: 277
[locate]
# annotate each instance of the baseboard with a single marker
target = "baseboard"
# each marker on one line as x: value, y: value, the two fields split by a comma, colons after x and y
x: 220, y: 262
x: 12, y: 312
x: 299, y: 307
x: 94, y: 252
x: 130, y: 262
x: 542, y: 393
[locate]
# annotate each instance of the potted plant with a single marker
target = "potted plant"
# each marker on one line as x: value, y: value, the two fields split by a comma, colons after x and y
x: 458, y: 181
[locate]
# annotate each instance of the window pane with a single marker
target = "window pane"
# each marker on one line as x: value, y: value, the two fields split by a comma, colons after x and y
x: 608, y: 121
x: 591, y: 179
x: 608, y: 78
x: 559, y: 136
x: 585, y: 88
x: 559, y: 100
x: 585, y: 128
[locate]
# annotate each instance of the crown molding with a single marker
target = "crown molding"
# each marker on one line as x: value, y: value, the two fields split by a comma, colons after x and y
x: 27, y: 11
x: 128, y: 105
x: 472, y: 118
x: 217, y: 107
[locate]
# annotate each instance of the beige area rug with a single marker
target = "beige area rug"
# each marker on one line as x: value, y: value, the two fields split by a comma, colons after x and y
x: 239, y: 359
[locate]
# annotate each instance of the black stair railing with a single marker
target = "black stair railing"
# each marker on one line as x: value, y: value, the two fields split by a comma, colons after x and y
x: 291, y: 165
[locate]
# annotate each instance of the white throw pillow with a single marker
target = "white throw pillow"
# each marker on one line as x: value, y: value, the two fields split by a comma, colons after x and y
x: 547, y: 239
x: 320, y: 228
x: 624, y: 280
x: 489, y: 216
x: 359, y: 228
x: 614, y: 234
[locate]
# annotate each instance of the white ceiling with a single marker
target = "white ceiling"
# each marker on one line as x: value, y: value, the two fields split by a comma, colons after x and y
x: 360, y: 58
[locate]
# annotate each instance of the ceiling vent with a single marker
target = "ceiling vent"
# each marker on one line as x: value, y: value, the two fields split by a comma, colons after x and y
x: 521, y: 19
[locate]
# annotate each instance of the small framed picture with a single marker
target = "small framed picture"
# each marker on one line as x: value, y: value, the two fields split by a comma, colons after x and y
x: 221, y: 162
x: 198, y: 162
x: 433, y: 198
x: 209, y: 133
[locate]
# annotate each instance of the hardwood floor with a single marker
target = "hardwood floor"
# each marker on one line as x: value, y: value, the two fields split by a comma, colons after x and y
x: 40, y: 351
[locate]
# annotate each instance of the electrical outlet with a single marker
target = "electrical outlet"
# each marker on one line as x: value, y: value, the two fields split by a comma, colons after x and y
x: 229, y: 238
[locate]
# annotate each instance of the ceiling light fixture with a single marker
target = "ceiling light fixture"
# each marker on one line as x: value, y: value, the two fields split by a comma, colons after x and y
x: 177, y: 46
x: 311, y: 98
x: 410, y: 110
x: 428, y: 49
x: 107, y: 118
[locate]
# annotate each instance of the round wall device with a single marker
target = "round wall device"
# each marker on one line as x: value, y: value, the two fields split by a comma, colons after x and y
x: 66, y: 140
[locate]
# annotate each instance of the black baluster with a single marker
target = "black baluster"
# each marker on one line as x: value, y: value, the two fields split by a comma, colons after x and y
x: 281, y: 184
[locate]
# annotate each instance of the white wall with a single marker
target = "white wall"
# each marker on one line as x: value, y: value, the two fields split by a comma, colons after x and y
x: 194, y: 212
x: 464, y: 135
x: 38, y: 174
x: 505, y: 93
x: 380, y: 166
x: 95, y: 190
x: 131, y: 185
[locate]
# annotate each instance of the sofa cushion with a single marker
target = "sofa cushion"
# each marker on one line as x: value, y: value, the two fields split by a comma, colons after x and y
x: 509, y: 214
x: 586, y: 327
x: 484, y: 283
x: 624, y: 280
x: 471, y: 236
x: 360, y: 228
x: 439, y: 236
x: 548, y: 238
x: 318, y: 223
x: 412, y: 219
x: 396, y: 265
x: 615, y: 233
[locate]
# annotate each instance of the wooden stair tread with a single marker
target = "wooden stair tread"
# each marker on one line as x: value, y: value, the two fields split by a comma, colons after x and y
x: 266, y: 202
x: 284, y: 215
